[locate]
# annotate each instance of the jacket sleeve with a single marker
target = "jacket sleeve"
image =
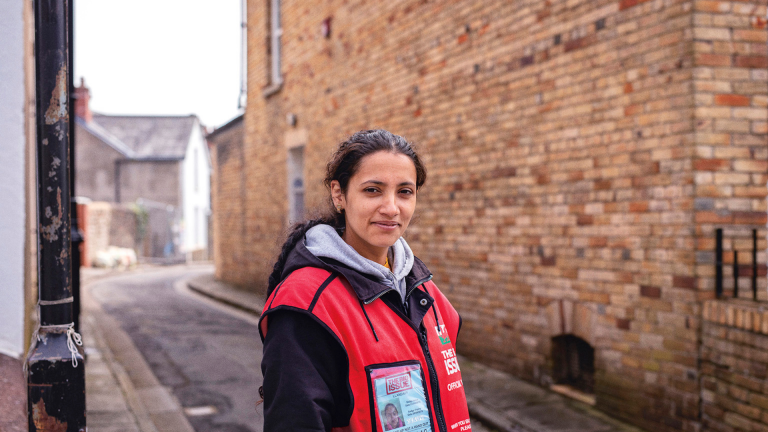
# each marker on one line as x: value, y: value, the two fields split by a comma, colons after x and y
x: 305, y: 376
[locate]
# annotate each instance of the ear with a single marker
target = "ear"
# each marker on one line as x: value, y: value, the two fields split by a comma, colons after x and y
x: 337, y: 195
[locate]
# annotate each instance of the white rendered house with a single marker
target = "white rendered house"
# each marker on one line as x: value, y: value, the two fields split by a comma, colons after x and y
x: 196, y: 193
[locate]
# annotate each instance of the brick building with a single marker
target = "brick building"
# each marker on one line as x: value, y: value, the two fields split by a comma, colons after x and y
x: 228, y: 197
x: 581, y: 155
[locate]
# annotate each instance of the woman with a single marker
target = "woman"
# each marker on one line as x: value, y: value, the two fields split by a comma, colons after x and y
x: 352, y: 320
x: 392, y: 419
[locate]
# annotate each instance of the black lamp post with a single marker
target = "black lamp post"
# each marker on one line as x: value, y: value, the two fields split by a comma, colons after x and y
x: 55, y: 367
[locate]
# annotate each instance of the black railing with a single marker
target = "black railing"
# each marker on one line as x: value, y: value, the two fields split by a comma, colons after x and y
x: 736, y: 268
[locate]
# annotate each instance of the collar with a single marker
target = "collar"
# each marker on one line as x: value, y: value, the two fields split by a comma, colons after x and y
x: 366, y: 287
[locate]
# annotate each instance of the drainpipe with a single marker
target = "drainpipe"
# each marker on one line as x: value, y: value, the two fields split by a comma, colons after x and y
x: 243, y: 98
x: 55, y: 368
x: 77, y: 235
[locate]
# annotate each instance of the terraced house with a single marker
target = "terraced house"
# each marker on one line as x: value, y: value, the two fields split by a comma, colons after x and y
x: 582, y: 156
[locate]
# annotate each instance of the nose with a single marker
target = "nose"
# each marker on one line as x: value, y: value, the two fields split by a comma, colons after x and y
x: 389, y: 205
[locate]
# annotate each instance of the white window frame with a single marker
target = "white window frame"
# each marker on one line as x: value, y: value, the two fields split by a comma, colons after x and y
x: 276, y: 33
x: 295, y: 172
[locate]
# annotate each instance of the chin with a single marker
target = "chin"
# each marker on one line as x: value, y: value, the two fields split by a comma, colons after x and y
x: 384, y: 240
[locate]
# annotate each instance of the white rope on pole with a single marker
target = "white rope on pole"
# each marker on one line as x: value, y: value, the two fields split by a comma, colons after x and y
x: 73, y: 338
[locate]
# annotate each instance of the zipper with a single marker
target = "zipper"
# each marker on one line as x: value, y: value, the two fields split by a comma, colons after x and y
x: 376, y: 297
x: 425, y: 348
x: 413, y: 287
x: 407, y: 293
x: 433, y: 381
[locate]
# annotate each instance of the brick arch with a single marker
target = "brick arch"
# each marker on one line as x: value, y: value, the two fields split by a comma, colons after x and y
x: 569, y: 317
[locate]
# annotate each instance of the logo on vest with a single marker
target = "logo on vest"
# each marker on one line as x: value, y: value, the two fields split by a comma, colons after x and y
x: 398, y: 383
x: 451, y: 363
x: 442, y: 333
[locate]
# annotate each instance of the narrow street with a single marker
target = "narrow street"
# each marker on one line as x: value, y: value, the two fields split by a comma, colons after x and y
x: 207, y: 354
x: 209, y: 358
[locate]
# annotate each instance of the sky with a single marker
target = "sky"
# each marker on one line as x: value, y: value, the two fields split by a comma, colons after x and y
x: 162, y: 57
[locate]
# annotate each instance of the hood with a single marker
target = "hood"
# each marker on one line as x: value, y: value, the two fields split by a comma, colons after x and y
x: 367, y: 286
x: 324, y: 242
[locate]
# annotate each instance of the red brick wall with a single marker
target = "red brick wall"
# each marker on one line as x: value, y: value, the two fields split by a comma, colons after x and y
x: 571, y: 147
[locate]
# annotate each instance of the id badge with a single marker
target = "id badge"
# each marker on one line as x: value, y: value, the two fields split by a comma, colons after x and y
x: 399, y: 398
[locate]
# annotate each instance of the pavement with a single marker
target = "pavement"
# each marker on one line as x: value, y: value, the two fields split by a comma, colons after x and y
x: 13, y: 395
x: 123, y: 394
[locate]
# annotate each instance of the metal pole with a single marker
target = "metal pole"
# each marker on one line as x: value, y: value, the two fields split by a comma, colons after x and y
x: 55, y: 368
x: 735, y: 274
x: 719, y: 262
x: 754, y: 264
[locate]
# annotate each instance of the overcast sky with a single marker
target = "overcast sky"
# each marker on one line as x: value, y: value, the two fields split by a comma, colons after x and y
x: 160, y: 56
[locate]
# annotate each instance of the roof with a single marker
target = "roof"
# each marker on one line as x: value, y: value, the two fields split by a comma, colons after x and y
x: 106, y: 137
x: 148, y: 137
x: 228, y: 125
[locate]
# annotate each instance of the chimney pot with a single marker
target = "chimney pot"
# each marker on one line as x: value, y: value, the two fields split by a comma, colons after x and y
x: 82, y: 98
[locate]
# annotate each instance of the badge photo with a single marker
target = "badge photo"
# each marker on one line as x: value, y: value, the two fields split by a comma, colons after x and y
x: 398, y: 397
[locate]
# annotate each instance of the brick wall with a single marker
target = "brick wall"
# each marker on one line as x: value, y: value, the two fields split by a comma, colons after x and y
x: 734, y: 372
x: 228, y: 199
x: 95, y: 164
x: 98, y: 217
x: 107, y: 224
x: 731, y: 155
x: 154, y: 181
x: 580, y: 155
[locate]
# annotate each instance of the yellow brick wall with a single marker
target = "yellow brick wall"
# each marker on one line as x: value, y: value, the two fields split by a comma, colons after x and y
x: 228, y: 197
x: 734, y: 366
x: 731, y: 118
x: 570, y: 147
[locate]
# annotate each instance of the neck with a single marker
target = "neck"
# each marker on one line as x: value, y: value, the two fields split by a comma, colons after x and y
x: 373, y: 253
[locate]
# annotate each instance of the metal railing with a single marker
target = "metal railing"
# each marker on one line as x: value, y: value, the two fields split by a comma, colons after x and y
x: 736, y: 269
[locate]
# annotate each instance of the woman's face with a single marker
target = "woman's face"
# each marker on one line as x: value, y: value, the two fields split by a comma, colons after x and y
x: 378, y: 204
x: 391, y: 415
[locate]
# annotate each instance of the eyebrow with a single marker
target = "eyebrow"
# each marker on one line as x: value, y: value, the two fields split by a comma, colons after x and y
x: 379, y: 183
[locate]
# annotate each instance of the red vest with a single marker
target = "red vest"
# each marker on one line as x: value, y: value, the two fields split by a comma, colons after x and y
x: 389, y: 366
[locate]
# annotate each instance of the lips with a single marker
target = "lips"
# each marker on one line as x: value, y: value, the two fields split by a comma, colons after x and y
x: 387, y: 225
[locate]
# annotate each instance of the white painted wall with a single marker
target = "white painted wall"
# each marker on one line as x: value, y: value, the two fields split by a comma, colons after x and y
x: 12, y: 147
x: 196, y: 194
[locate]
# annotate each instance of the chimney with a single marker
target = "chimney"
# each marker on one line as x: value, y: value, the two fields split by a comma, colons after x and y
x: 82, y: 98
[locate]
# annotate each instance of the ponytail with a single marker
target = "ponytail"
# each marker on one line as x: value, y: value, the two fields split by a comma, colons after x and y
x: 298, y: 231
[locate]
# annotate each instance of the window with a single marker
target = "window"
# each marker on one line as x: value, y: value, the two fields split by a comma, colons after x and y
x: 196, y: 228
x: 194, y: 171
x: 275, y: 33
x: 296, y: 184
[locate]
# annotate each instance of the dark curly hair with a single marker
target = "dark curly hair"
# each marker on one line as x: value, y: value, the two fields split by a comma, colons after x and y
x: 342, y: 165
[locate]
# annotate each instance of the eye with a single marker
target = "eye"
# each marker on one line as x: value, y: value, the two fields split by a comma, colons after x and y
x: 406, y: 191
x: 370, y: 190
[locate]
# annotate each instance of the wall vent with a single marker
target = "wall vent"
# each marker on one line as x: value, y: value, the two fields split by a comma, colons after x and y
x: 573, y: 361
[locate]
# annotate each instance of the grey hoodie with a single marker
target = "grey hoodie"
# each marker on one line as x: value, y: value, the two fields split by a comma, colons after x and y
x: 324, y: 241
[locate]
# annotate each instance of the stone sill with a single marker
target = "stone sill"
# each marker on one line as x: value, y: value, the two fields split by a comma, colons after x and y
x: 738, y: 313
x: 572, y: 393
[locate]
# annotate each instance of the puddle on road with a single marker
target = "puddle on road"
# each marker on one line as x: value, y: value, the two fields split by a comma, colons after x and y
x: 200, y: 411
